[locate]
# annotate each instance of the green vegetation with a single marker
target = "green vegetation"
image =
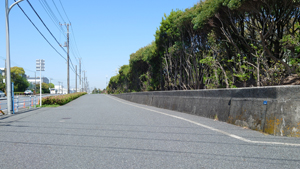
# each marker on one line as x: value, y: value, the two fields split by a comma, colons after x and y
x: 53, y: 105
x: 45, y: 87
x: 61, y: 99
x: 98, y: 91
x: 18, y: 77
x: 217, y: 44
x: 18, y: 93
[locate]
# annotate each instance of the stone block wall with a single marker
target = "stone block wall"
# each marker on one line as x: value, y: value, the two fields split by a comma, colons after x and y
x: 274, y: 110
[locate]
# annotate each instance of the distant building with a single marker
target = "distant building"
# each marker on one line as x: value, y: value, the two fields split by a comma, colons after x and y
x: 2, y: 71
x: 60, y: 89
x: 63, y: 90
x: 37, y: 80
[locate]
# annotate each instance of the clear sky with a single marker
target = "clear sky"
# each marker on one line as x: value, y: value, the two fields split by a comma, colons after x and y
x: 103, y: 34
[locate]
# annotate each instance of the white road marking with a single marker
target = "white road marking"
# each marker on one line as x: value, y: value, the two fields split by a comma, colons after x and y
x: 208, y: 127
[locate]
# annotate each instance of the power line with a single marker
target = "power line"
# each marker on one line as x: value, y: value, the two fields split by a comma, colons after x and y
x: 71, y: 29
x: 49, y: 31
x: 75, y: 42
x: 74, y: 54
x: 45, y: 25
x: 39, y: 30
x: 52, y: 17
x: 48, y: 10
x: 63, y: 34
x: 42, y: 34
x: 64, y: 10
x: 58, y: 11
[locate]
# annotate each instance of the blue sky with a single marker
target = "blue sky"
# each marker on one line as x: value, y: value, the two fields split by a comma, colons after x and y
x: 106, y: 33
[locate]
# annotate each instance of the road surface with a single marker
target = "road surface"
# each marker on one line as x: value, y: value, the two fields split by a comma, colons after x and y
x: 100, y: 131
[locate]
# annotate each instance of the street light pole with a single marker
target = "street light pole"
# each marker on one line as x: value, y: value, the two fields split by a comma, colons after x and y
x: 8, y: 78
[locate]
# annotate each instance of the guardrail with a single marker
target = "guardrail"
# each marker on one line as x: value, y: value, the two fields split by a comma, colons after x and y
x: 21, y: 103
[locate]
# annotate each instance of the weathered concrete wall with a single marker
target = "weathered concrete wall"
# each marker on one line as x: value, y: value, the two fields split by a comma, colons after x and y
x: 274, y: 110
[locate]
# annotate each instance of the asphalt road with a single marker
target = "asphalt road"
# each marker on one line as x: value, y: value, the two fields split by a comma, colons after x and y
x: 100, y: 131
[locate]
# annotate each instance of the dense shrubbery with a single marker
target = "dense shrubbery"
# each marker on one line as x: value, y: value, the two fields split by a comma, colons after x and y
x: 18, y: 93
x: 217, y: 44
x: 61, y: 99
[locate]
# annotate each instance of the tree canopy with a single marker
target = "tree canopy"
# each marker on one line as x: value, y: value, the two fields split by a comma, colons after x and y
x: 18, y: 77
x: 217, y: 44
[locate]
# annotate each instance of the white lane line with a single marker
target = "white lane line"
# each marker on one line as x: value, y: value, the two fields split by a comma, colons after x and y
x: 208, y: 127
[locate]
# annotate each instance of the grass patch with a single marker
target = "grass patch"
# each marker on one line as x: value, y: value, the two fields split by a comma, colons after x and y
x: 47, y: 105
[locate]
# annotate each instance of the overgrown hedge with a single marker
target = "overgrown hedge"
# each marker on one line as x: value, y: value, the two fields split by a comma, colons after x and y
x: 218, y: 44
x: 61, y: 99
x: 18, y: 93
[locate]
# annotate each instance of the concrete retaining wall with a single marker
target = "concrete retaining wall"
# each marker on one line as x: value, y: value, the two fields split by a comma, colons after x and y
x: 274, y: 110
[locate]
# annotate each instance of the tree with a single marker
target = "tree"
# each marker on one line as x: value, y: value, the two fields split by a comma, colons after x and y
x: 217, y: 43
x: 2, y: 85
x: 51, y: 85
x: 96, y: 91
x: 45, y: 88
x: 18, y: 77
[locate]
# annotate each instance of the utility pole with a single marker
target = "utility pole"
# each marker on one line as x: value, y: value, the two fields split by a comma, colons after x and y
x: 75, y: 78
x: 84, y: 82
x: 68, y: 58
x: 86, y: 85
x: 82, y: 85
x: 80, y: 74
x: 8, y: 76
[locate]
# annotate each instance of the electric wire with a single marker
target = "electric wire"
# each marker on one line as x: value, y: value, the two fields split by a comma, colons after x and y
x: 64, y: 11
x: 52, y: 17
x: 75, y: 41
x: 58, y: 11
x: 40, y: 31
x: 73, y: 34
x: 45, y: 25
x: 71, y: 29
x: 49, y: 11
x: 72, y: 68
x: 50, y: 32
x: 46, y: 3
x: 74, y: 54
